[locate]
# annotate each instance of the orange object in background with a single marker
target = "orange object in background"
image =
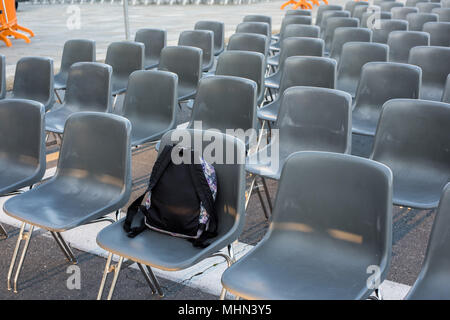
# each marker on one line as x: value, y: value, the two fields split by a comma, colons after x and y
x: 302, y: 4
x: 8, y: 23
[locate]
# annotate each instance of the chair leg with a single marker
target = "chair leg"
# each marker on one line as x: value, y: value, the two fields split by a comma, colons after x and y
x: 147, y: 278
x: 266, y: 191
x: 114, y: 102
x: 57, y: 96
x: 109, y: 269
x: 230, y: 259
x: 266, y: 214
x: 250, y: 192
x: 65, y: 248
x: 22, y: 236
x: 3, y: 233
x: 155, y: 281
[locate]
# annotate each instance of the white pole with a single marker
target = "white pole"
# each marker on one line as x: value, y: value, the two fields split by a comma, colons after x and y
x: 126, y: 19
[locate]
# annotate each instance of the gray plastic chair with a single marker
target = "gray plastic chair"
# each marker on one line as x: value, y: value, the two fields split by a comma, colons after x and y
x: 326, y: 231
x: 331, y: 14
x: 333, y: 24
x: 186, y: 63
x: 417, y: 20
x: 388, y: 5
x: 2, y: 77
x: 414, y: 3
x: 343, y: 35
x: 435, y: 64
x: 124, y: 57
x: 446, y: 94
x: 353, y: 57
x: 294, y: 46
x: 203, y: 39
x: 384, y: 27
x: 427, y: 7
x: 244, y: 64
x: 154, y: 40
x: 412, y: 139
x: 400, y: 13
x: 88, y: 89
x: 93, y: 179
x: 254, y: 27
x: 298, y: 12
x: 443, y: 13
x: 259, y: 18
x: 225, y: 103
x: 381, y: 82
x: 444, y: 3
x: 431, y: 284
x: 22, y: 146
x: 157, y: 250
x: 378, y: 2
x: 323, y: 8
x: 150, y: 105
x: 301, y: 71
x: 359, y: 11
x: 366, y: 16
x: 303, y: 127
x: 351, y: 5
x: 33, y: 80
x: 295, y: 30
x: 439, y: 33
x: 218, y: 28
x: 401, y: 42
x: 76, y: 50
x: 287, y: 21
x: 248, y: 42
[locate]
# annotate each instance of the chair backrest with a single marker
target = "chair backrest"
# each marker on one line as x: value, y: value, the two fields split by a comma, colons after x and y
x: 343, y: 35
x: 368, y: 15
x: 308, y: 71
x: 301, y: 30
x: 388, y: 5
x: 400, y: 13
x: 225, y: 102
x: 203, y: 39
x: 336, y: 204
x: 383, y: 81
x: 22, y: 143
x: 445, y: 3
x: 384, y: 27
x: 244, y: 64
x: 259, y: 18
x: 125, y: 57
x: 353, y: 57
x: 446, y: 94
x: 439, y: 33
x: 417, y: 20
x: 218, y: 29
x: 401, y: 42
x: 300, y: 12
x: 412, y: 140
x: 254, y: 27
x: 89, y: 87
x: 33, y: 80
x: 77, y: 50
x: 2, y: 76
x: 185, y: 62
x: 435, y: 65
x: 230, y: 173
x: 426, y: 7
x: 413, y: 3
x: 298, y: 46
x: 331, y: 14
x: 378, y: 2
x: 314, y: 119
x: 333, y: 24
x: 154, y: 40
x: 248, y: 42
x: 96, y: 151
x: 288, y: 20
x: 151, y: 99
x: 433, y: 277
x: 351, y: 5
x: 323, y: 8
x: 359, y: 11
x: 443, y: 13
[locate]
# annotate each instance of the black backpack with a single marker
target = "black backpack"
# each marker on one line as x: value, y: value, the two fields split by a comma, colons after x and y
x: 180, y: 199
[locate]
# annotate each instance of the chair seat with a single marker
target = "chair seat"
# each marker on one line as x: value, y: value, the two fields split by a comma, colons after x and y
x: 431, y: 288
x: 270, y: 111
x: 143, y: 132
x: 151, y: 63
x: 302, y: 272
x: 15, y: 175
x: 65, y: 203
x: 274, y: 60
x: 186, y: 92
x: 428, y: 92
x: 56, y: 119
x: 119, y: 85
x: 153, y: 248
x: 364, y: 123
x: 275, y: 46
x: 273, y: 81
x: 265, y: 169
x: 60, y: 81
x: 425, y: 193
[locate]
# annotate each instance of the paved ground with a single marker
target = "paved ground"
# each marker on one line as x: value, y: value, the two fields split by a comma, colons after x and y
x: 44, y: 275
